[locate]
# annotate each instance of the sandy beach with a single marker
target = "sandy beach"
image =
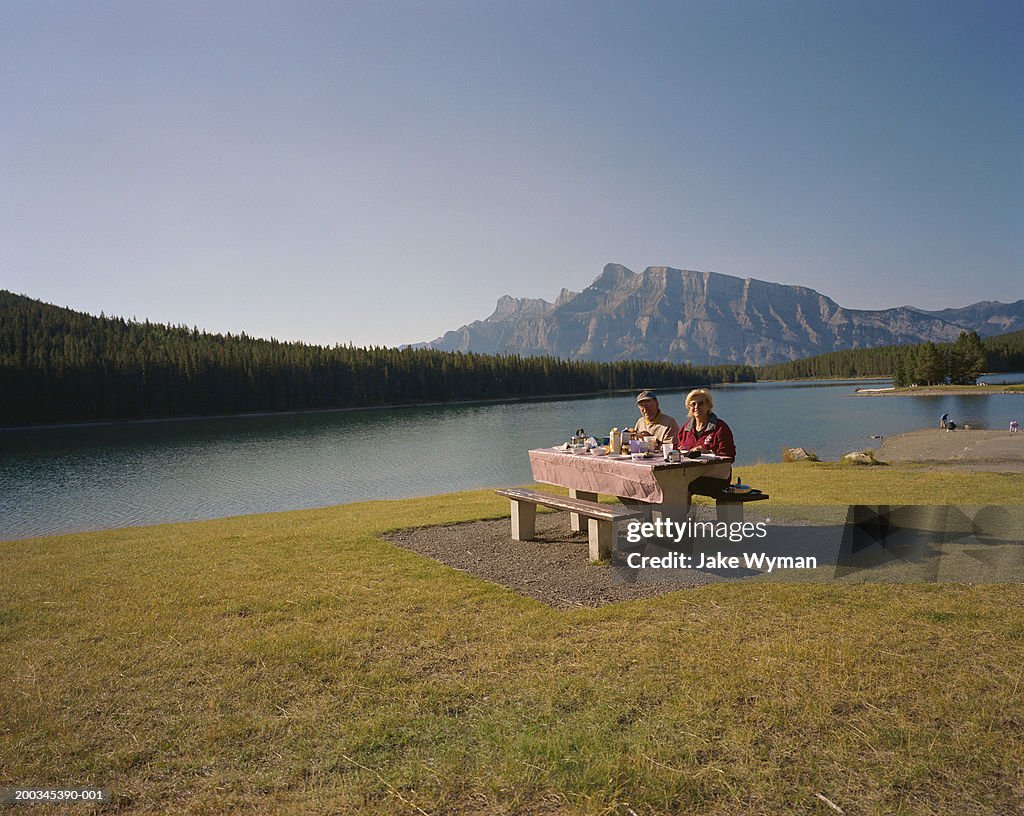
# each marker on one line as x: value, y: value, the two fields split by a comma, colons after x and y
x: 998, y: 451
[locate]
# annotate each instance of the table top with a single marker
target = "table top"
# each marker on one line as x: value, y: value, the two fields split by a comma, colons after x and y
x: 647, y: 480
x: 654, y: 461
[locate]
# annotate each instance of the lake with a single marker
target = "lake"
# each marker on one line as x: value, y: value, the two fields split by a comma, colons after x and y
x: 55, y: 480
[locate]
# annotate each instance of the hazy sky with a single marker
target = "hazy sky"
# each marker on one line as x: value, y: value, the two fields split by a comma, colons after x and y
x: 380, y: 172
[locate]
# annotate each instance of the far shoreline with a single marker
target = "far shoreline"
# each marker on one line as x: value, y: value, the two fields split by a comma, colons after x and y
x: 938, y: 390
x: 918, y: 391
x: 104, y: 423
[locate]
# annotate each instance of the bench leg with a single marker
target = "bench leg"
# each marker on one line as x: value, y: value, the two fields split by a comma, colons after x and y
x: 729, y: 512
x: 524, y: 520
x: 575, y: 520
x: 603, y: 536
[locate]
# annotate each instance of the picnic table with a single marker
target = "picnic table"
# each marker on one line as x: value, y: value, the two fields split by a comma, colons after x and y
x: 651, y: 487
x: 648, y: 489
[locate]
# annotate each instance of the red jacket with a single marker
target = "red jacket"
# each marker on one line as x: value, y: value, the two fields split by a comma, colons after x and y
x: 716, y: 437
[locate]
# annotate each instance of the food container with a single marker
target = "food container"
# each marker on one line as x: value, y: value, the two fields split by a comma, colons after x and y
x: 739, y: 487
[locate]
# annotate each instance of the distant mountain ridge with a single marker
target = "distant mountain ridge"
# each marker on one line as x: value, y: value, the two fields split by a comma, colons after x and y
x: 683, y: 316
x: 987, y: 317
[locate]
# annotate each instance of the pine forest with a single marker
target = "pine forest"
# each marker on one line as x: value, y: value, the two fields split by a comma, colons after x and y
x: 58, y: 365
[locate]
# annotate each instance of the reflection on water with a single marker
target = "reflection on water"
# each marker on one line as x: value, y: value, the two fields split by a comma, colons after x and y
x: 68, y: 479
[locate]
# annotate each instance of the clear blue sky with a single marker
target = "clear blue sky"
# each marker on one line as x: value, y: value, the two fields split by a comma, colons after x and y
x: 380, y: 172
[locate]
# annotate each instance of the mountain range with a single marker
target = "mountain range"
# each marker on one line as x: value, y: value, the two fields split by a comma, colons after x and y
x: 683, y: 316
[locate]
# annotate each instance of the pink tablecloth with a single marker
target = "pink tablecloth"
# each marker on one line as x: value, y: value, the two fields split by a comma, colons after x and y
x: 604, y: 474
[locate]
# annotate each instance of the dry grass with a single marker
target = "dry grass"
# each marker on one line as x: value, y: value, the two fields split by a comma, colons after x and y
x: 295, y: 663
x: 833, y: 483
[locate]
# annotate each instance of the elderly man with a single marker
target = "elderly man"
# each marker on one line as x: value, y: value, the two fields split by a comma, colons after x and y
x: 653, y: 424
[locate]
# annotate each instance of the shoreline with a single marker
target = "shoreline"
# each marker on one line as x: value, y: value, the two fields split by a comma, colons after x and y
x: 103, y: 423
x: 923, y: 391
x: 926, y: 449
x: 938, y: 391
x: 975, y: 450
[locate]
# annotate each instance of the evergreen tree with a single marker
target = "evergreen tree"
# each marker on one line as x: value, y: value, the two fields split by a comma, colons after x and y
x: 899, y: 374
x: 968, y: 358
x: 1005, y: 352
x: 929, y: 366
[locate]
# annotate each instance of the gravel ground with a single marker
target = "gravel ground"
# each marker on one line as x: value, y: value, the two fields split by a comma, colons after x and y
x: 554, y: 569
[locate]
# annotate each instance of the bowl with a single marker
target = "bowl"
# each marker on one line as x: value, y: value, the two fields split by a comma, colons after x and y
x: 638, y: 457
x: 599, y: 451
x: 578, y: 449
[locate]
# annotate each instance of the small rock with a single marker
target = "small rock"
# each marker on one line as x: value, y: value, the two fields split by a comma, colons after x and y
x: 796, y: 454
x: 859, y: 458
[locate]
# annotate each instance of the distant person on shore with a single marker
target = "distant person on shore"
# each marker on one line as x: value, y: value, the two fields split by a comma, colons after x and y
x: 1014, y: 427
x: 704, y: 432
x: 653, y: 424
x: 944, y: 421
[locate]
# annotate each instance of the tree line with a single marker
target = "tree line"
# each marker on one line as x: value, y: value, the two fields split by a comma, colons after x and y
x: 59, y: 365
x: 921, y: 363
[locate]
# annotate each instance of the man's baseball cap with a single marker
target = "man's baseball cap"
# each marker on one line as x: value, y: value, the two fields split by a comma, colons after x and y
x: 645, y: 395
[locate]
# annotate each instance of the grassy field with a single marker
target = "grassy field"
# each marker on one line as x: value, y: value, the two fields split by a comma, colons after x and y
x: 295, y: 663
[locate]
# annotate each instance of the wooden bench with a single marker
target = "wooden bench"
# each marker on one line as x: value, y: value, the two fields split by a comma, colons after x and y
x: 729, y: 506
x: 603, y: 520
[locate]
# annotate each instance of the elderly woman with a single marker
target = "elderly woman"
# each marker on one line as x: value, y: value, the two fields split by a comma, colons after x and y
x: 704, y: 432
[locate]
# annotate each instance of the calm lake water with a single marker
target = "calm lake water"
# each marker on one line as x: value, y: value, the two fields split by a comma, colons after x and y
x: 87, y: 478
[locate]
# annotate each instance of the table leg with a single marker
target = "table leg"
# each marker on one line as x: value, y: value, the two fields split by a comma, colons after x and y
x: 675, y: 487
x: 576, y: 523
x: 677, y: 511
x: 638, y: 507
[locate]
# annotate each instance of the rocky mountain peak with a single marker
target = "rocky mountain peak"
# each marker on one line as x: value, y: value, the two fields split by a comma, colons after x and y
x: 510, y: 307
x: 680, y: 315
